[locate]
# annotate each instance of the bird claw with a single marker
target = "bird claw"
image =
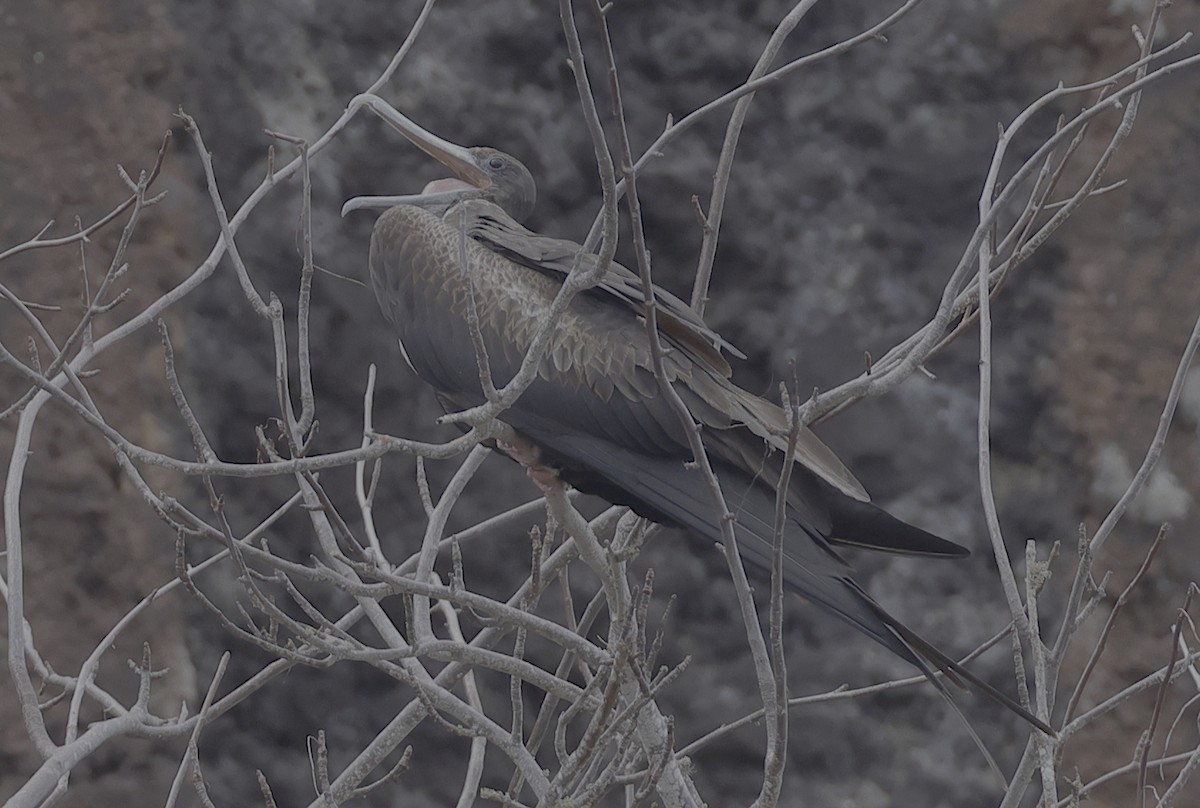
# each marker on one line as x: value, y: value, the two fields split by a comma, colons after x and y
x: 543, y: 477
x: 528, y: 455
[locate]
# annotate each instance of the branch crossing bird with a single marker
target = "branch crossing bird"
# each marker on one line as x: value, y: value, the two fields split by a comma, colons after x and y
x: 594, y: 415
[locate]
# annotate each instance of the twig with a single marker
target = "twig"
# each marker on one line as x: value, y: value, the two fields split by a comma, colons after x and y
x: 839, y: 693
x: 1086, y: 789
x: 434, y: 531
x: 81, y: 333
x: 82, y: 234
x: 227, y: 232
x: 908, y: 356
x: 1160, y: 697
x: 474, y: 773
x: 203, y: 448
x: 364, y: 493
x: 776, y: 712
x: 1181, y: 780
x: 1102, y: 641
x: 191, y: 755
x: 1035, y: 577
x: 307, y: 399
x: 676, y: 128
x: 716, y: 202
x: 482, y: 362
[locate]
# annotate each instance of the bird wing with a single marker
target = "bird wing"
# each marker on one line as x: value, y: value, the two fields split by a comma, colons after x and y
x: 680, y: 327
x: 491, y: 226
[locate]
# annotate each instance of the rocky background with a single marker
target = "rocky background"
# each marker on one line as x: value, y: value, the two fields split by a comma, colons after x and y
x: 855, y: 191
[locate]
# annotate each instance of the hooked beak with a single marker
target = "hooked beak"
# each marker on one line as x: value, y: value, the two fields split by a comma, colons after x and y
x: 456, y: 158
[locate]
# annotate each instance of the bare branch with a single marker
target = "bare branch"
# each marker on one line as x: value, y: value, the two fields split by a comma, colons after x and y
x: 192, y: 756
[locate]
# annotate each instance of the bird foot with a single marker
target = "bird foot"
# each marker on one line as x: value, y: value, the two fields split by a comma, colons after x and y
x: 543, y: 477
x: 528, y: 455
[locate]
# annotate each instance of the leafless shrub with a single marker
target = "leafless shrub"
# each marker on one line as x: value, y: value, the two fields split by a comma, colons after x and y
x: 599, y: 730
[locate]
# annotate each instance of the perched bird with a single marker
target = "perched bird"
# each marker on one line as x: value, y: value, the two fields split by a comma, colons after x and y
x: 595, y: 416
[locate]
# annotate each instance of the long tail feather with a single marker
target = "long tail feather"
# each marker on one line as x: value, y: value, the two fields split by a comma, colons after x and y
x: 662, y: 489
x: 959, y: 674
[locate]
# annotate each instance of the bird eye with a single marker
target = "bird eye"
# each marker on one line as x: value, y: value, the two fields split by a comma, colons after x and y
x: 495, y: 163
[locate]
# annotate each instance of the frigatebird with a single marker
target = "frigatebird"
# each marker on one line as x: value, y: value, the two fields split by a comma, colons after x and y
x: 594, y: 416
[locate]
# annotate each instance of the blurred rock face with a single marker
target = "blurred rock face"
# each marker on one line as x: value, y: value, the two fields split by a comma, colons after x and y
x: 854, y: 194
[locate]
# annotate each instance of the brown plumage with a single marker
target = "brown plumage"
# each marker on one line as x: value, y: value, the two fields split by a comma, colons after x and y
x: 595, y: 414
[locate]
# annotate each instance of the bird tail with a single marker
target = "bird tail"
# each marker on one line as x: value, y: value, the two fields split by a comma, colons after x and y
x: 931, y: 660
x: 836, y: 592
x: 663, y: 489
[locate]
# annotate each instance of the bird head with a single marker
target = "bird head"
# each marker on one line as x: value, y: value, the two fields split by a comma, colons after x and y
x: 479, y: 173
